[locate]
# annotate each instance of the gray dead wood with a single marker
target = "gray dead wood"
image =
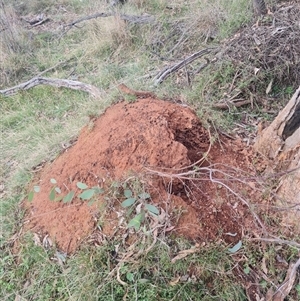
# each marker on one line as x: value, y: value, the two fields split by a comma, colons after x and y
x: 280, y: 144
x: 162, y: 75
x: 55, y: 82
x: 227, y: 105
x: 284, y: 132
x: 129, y: 18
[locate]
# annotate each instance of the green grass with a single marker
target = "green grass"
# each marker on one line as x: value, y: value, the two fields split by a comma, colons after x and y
x: 35, y: 123
x: 36, y: 274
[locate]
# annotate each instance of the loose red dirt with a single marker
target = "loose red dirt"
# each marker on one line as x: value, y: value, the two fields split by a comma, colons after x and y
x: 133, y: 138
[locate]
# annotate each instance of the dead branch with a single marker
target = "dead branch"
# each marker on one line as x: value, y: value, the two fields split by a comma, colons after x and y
x: 40, y: 22
x: 86, y: 18
x: 201, y: 175
x: 139, y: 94
x: 129, y: 18
x: 138, y: 19
x: 55, y: 82
x: 285, y: 288
x: 53, y: 67
x: 227, y: 105
x: 37, y: 20
x: 161, y: 76
x: 277, y: 240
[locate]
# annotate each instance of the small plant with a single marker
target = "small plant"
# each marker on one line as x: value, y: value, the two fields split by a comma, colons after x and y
x: 141, y: 207
x: 87, y: 194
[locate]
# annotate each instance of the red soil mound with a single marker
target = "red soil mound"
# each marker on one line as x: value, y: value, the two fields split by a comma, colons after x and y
x: 127, y: 138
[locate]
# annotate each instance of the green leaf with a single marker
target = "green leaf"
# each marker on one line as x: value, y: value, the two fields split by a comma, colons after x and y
x: 136, y: 221
x: 152, y: 209
x: 61, y: 256
x: 87, y: 194
x: 69, y: 197
x: 98, y: 190
x: 130, y: 276
x: 58, y: 198
x: 144, y: 196
x: 128, y: 193
x: 30, y: 196
x: 36, y: 188
x: 52, y: 194
x: 247, y: 270
x: 81, y: 185
x: 57, y: 189
x: 91, y: 202
x: 236, y: 247
x: 53, y: 181
x: 128, y: 202
x: 143, y: 280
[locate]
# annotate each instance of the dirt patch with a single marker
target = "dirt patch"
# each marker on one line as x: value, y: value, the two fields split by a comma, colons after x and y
x: 148, y: 134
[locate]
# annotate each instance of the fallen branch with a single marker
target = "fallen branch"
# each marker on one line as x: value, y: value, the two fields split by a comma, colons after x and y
x: 277, y: 240
x: 40, y: 22
x: 161, y: 76
x: 37, y: 20
x: 86, y: 18
x: 226, y: 105
x: 55, y: 82
x: 202, y: 173
x: 138, y: 19
x: 129, y: 18
x: 284, y: 289
x: 139, y: 94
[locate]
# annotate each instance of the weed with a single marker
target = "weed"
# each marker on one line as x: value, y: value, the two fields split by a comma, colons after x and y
x: 141, y: 206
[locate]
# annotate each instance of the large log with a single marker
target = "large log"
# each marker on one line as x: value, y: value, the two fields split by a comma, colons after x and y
x: 280, y: 143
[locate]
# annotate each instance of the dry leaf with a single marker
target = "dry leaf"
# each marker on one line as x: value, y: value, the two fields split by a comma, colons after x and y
x: 175, y: 281
x: 269, y: 88
x: 47, y: 242
x: 264, y: 266
x: 184, y: 253
x: 36, y: 239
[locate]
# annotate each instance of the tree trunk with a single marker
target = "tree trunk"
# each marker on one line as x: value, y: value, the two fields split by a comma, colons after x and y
x: 280, y: 143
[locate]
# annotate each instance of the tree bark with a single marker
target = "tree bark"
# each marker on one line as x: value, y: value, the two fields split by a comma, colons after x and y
x: 280, y: 143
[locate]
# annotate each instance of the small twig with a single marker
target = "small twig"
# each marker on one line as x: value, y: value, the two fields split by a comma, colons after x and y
x: 40, y: 22
x: 202, y: 66
x: 118, y: 277
x: 51, y: 68
x: 241, y: 199
x: 188, y: 176
x: 179, y: 41
x: 232, y: 83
